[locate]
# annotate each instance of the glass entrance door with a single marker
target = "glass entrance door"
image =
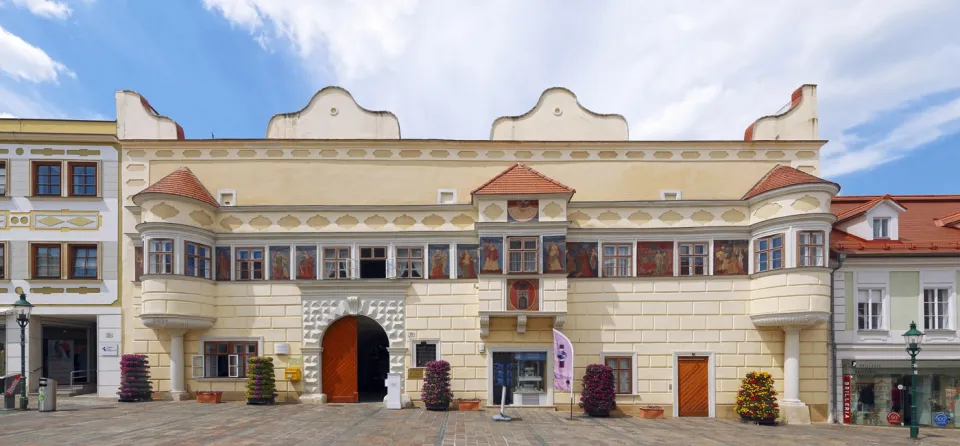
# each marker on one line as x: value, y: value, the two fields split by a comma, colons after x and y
x: 503, y: 365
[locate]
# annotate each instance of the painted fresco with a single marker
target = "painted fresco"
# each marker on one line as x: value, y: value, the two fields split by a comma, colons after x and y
x: 523, y: 210
x: 223, y: 262
x: 468, y: 258
x: 582, y: 259
x: 439, y: 261
x: 654, y: 259
x: 491, y: 260
x: 279, y: 263
x: 306, y: 262
x: 522, y: 295
x: 730, y: 257
x: 554, y: 254
x: 138, y: 266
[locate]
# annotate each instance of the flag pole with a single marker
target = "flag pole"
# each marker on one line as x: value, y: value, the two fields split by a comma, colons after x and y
x: 571, y: 399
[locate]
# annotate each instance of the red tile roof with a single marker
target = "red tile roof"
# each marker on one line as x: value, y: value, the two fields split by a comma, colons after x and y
x: 521, y: 179
x: 856, y: 211
x: 919, y: 231
x: 783, y: 176
x: 182, y: 183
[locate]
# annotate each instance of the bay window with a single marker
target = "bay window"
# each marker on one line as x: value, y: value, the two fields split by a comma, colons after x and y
x: 769, y: 252
x: 810, y: 248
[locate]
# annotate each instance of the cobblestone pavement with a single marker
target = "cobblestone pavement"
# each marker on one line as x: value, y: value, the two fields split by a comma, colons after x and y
x: 103, y: 422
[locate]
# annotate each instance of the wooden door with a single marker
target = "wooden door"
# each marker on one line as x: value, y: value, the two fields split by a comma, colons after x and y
x: 340, y: 361
x: 693, y: 382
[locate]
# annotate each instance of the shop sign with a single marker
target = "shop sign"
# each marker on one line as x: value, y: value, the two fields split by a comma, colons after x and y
x: 846, y: 399
x: 13, y: 385
x: 941, y: 419
x: 415, y: 373
x: 893, y: 418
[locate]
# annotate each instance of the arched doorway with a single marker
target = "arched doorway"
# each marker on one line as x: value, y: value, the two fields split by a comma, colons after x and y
x: 355, y: 360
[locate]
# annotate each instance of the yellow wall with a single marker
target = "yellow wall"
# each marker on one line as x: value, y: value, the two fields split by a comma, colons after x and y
x: 58, y: 126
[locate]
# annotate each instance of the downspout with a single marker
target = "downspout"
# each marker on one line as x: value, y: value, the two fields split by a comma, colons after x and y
x: 831, y: 381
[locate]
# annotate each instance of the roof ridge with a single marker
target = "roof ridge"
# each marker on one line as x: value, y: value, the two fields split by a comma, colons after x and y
x: 521, y: 169
x: 769, y: 182
x: 182, y: 182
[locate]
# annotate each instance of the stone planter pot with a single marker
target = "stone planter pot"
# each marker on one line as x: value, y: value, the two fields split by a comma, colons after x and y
x: 209, y: 397
x: 468, y: 405
x: 260, y: 401
x: 599, y: 413
x: 440, y: 407
x: 651, y: 412
x: 760, y: 421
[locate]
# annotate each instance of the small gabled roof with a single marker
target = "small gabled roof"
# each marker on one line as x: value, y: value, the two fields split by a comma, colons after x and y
x: 520, y: 179
x: 182, y: 183
x: 948, y: 220
x: 924, y: 225
x: 863, y: 208
x: 783, y: 176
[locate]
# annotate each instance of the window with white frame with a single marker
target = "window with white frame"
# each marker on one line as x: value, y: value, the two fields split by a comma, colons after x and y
x: 523, y: 254
x: 622, y: 365
x: 693, y: 259
x: 769, y: 252
x: 410, y: 262
x: 224, y: 359
x: 617, y: 259
x: 881, y: 227
x: 810, y: 248
x: 424, y: 352
x: 936, y: 308
x: 197, y: 260
x: 161, y: 256
x: 870, y: 309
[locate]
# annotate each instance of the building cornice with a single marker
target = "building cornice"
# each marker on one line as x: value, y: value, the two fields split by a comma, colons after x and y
x: 85, y: 139
x: 798, y: 319
x: 174, y: 321
x: 830, y: 188
x: 461, y: 144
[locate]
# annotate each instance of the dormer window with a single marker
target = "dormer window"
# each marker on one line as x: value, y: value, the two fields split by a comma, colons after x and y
x: 881, y: 227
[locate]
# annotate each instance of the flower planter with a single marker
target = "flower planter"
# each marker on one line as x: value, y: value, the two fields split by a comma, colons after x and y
x: 209, y: 397
x: 437, y: 406
x: 760, y: 421
x: 135, y: 383
x: 468, y: 405
x: 654, y: 412
x: 260, y: 401
x: 261, y: 384
x: 598, y: 397
x: 599, y: 413
x: 435, y: 393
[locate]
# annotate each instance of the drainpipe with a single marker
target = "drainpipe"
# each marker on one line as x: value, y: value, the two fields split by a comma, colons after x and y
x: 831, y: 406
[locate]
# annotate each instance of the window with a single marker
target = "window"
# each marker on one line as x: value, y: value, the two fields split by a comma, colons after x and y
x: 671, y: 195
x: 46, y: 179
x: 46, y: 261
x: 881, y: 227
x: 373, y: 263
x: 523, y: 254
x: 249, y: 263
x: 936, y: 309
x: 197, y: 260
x: 83, y: 261
x: 410, y: 262
x: 424, y: 352
x: 335, y: 261
x: 769, y: 251
x: 3, y: 263
x: 446, y: 196
x: 3, y: 178
x: 227, y: 197
x: 693, y: 259
x: 224, y: 359
x: 870, y: 309
x: 622, y: 373
x: 83, y: 179
x: 617, y: 260
x: 810, y: 248
x: 161, y: 256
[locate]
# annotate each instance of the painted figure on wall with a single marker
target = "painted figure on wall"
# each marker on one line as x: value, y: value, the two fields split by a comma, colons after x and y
x: 279, y: 263
x: 655, y: 259
x: 490, y: 248
x: 522, y: 295
x: 223, y: 263
x: 306, y: 262
x: 523, y: 210
x: 554, y: 258
x: 467, y: 258
x: 582, y: 259
x: 138, y: 266
x: 730, y: 257
x: 439, y: 261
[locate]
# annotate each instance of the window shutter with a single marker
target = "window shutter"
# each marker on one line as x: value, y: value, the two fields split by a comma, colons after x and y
x: 196, y: 366
x: 233, y: 366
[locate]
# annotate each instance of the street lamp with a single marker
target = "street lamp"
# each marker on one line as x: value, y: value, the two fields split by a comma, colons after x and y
x: 913, y: 338
x: 22, y: 309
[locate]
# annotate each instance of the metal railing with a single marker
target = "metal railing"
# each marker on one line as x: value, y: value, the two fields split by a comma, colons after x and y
x: 76, y: 374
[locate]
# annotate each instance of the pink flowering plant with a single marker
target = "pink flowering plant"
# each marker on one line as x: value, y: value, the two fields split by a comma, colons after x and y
x: 598, y: 396
x: 436, y: 384
x: 135, y: 379
x: 261, y: 383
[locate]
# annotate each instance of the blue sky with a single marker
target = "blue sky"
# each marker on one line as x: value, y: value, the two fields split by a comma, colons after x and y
x: 888, y: 92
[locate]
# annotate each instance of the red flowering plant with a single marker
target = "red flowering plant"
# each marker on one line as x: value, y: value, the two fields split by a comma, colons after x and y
x: 135, y: 379
x: 757, y: 400
x: 598, y: 396
x: 436, y: 385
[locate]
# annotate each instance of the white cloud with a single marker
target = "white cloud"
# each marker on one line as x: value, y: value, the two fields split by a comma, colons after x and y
x: 45, y: 8
x: 21, y: 60
x: 682, y: 70
x: 5, y: 115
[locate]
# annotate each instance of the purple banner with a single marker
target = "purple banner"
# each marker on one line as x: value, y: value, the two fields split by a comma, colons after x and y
x: 563, y: 362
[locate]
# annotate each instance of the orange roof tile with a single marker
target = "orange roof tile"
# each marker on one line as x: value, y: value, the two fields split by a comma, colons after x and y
x: 919, y: 230
x: 521, y: 179
x: 182, y: 183
x: 783, y: 176
x: 855, y: 211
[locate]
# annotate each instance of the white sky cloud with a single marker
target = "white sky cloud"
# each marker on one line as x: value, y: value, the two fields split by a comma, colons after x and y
x: 676, y: 70
x: 21, y: 60
x: 45, y: 8
x: 5, y: 115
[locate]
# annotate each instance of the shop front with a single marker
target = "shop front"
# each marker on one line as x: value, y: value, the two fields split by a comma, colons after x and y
x: 878, y: 393
x: 525, y: 373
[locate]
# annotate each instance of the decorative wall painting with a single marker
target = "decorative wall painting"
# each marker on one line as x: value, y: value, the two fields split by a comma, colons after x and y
x: 554, y: 254
x: 468, y: 260
x: 522, y: 295
x: 306, y: 262
x: 491, y: 259
x: 523, y: 210
x: 439, y: 261
x: 583, y: 259
x: 138, y: 265
x: 223, y: 263
x: 279, y: 263
x: 654, y: 259
x: 730, y: 257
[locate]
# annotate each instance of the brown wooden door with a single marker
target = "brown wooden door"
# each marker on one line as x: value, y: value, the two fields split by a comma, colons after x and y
x: 693, y: 382
x: 340, y: 361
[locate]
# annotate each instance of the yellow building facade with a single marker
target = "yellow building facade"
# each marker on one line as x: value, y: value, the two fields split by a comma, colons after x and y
x: 354, y: 256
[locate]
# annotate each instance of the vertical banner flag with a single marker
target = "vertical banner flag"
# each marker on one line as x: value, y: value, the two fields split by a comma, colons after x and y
x: 563, y: 362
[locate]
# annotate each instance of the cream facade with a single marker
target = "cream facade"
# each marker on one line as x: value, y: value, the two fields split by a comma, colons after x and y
x: 684, y: 264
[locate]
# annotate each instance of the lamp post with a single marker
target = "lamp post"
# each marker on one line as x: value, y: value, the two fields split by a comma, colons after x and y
x: 913, y: 338
x: 22, y: 309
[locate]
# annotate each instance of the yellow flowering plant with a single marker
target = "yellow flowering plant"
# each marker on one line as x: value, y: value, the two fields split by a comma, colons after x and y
x: 757, y: 401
